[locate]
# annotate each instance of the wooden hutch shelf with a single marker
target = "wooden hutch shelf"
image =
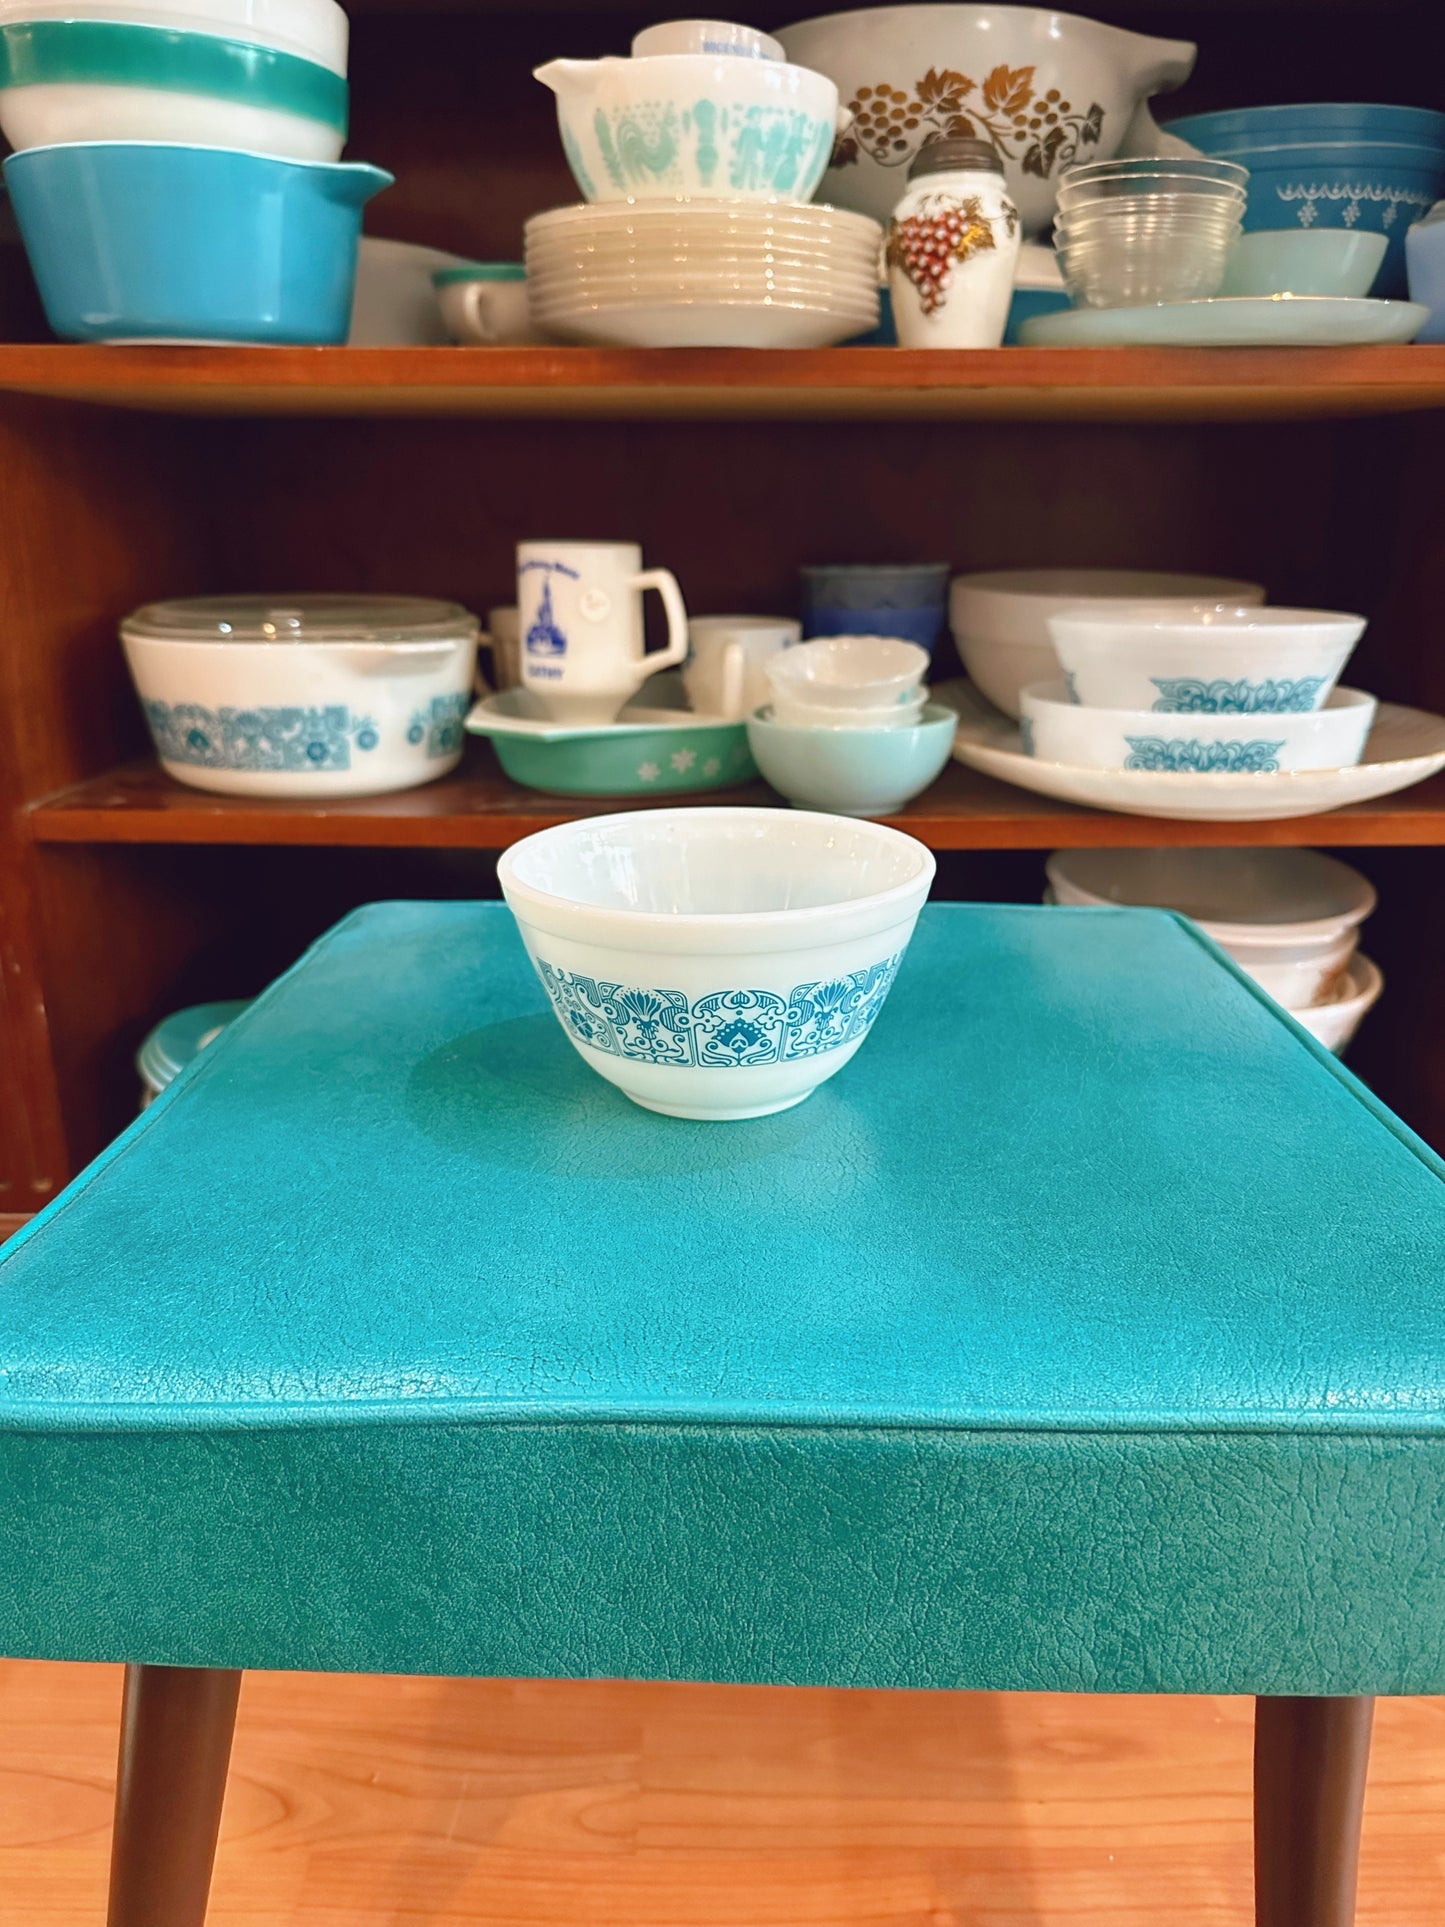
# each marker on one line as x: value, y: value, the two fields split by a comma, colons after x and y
x: 480, y: 809
x: 834, y: 384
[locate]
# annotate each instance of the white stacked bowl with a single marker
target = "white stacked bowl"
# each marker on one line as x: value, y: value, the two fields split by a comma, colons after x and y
x: 849, y: 682
x: 1000, y: 619
x: 1136, y: 232
x: 263, y: 76
x: 1200, y: 743
x: 1211, y: 657
x: 1289, y: 918
x: 692, y: 273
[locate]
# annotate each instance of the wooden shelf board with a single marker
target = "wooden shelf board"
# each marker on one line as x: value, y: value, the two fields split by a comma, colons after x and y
x: 1019, y: 384
x: 480, y: 809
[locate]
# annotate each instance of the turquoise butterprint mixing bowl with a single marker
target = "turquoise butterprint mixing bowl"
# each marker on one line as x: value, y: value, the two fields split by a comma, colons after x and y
x: 142, y: 241
x: 709, y: 126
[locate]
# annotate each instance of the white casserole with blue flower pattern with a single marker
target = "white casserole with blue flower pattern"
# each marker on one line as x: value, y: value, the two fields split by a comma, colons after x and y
x: 304, y: 696
x: 1213, y: 657
x: 716, y: 963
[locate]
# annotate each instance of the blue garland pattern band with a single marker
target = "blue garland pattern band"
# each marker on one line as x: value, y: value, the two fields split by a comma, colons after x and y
x: 724, y: 1030
x: 1192, y: 695
x: 1252, y: 758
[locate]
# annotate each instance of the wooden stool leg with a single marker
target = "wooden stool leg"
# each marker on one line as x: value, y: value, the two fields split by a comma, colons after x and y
x: 175, y: 1745
x: 1310, y: 1761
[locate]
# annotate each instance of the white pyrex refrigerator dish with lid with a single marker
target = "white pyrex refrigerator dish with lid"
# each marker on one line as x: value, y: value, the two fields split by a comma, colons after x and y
x: 304, y: 696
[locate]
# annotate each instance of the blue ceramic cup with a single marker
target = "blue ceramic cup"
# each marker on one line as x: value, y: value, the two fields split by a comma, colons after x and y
x: 156, y: 241
x: 908, y: 600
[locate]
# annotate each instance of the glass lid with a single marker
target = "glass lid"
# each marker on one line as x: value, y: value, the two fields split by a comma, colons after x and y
x: 301, y: 618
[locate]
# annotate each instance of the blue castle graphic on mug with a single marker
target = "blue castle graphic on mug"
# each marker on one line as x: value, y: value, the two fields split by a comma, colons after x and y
x: 543, y: 637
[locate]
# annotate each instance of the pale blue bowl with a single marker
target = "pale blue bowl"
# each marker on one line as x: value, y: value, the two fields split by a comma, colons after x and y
x: 852, y: 772
x: 156, y: 241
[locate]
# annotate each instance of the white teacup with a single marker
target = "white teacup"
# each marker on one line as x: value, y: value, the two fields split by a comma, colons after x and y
x: 584, y: 649
x: 706, y: 37
x: 503, y: 637
x: 725, y: 673
x: 486, y: 302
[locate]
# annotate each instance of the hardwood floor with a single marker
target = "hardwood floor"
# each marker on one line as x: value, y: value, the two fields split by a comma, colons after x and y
x: 443, y: 1803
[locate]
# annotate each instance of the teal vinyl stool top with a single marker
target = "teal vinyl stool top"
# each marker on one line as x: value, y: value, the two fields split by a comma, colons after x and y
x: 1087, y: 1332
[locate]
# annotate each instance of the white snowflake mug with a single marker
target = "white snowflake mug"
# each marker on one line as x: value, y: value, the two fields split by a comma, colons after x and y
x: 953, y: 248
x: 584, y: 651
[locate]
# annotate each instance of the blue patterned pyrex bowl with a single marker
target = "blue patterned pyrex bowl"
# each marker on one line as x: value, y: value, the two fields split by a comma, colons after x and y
x: 716, y: 963
x: 1332, y: 165
x: 709, y: 126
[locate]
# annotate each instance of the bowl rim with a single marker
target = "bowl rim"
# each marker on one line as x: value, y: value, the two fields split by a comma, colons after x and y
x: 1340, y: 701
x: 728, y: 932
x: 1341, y: 924
x: 379, y: 174
x: 932, y: 716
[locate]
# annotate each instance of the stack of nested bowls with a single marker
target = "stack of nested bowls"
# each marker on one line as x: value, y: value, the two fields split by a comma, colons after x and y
x: 1137, y: 232
x: 177, y: 173
x: 697, y: 230
x: 1290, y: 919
x: 1205, y: 690
x: 850, y: 728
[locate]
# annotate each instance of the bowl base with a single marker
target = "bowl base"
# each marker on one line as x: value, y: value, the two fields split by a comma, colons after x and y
x: 709, y: 1114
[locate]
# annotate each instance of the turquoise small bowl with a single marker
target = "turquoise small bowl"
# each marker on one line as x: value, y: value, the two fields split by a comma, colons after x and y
x: 852, y: 772
x: 158, y: 241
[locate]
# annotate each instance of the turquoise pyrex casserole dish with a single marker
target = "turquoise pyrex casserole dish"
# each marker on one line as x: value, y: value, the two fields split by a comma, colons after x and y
x: 156, y: 241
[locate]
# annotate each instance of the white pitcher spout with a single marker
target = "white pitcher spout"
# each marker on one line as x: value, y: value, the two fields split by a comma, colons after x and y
x: 569, y: 76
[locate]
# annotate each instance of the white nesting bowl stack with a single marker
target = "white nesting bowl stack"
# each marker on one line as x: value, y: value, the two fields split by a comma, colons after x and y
x: 698, y: 158
x: 1133, y: 233
x: 1289, y: 918
x: 850, y: 728
x: 1201, y: 690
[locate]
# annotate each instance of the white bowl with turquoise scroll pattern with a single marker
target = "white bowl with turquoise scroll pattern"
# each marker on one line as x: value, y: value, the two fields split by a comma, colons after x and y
x: 1213, y: 657
x: 698, y: 124
x: 1058, y: 730
x: 716, y: 963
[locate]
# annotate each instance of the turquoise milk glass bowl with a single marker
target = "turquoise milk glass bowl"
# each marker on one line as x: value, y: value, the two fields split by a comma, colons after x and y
x: 156, y: 241
x: 852, y: 772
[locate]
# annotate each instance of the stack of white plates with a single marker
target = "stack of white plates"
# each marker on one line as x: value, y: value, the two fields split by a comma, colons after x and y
x: 703, y: 274
x: 1289, y: 918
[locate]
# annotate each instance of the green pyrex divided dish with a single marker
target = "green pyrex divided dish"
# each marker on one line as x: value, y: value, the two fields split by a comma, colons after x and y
x: 663, y: 750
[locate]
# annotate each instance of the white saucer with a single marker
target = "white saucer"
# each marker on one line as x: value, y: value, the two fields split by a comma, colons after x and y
x: 1232, y: 321
x: 1404, y: 747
